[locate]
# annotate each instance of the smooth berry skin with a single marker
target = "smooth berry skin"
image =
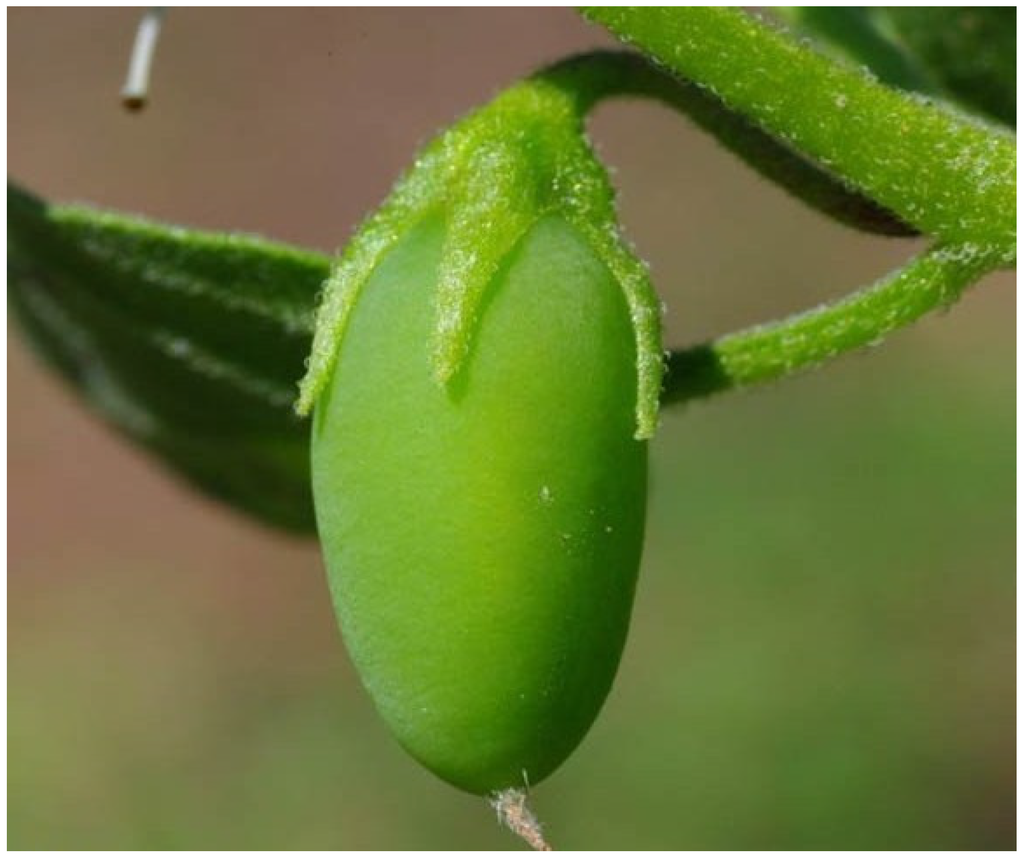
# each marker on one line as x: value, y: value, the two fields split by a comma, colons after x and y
x: 482, y: 540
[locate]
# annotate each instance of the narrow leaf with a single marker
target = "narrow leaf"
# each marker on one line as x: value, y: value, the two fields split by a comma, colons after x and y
x: 190, y: 343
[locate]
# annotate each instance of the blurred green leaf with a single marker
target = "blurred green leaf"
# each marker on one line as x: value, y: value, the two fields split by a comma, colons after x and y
x: 965, y: 53
x: 857, y: 34
x: 190, y: 343
x: 971, y: 52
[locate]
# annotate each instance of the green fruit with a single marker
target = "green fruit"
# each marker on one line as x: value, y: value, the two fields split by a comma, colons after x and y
x: 482, y: 538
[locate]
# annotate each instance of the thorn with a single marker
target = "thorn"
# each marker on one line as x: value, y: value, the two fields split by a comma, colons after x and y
x: 135, y: 91
x: 516, y: 815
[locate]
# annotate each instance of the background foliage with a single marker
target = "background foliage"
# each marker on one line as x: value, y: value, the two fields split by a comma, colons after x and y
x: 822, y: 651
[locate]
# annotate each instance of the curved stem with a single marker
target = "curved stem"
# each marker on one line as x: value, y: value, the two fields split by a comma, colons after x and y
x: 935, y: 278
x: 946, y: 174
x: 136, y: 86
x: 590, y: 78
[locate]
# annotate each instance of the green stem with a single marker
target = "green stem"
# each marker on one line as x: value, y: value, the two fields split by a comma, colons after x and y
x: 935, y: 278
x: 948, y: 175
x: 590, y: 78
x: 766, y: 352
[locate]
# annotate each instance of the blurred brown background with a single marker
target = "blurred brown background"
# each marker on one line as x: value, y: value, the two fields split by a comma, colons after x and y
x: 822, y: 653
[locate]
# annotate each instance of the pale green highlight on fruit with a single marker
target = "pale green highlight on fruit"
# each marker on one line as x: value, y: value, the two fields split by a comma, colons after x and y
x: 482, y: 538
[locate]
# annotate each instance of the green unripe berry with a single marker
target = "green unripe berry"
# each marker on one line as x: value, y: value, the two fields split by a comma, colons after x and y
x: 485, y: 371
x: 482, y: 538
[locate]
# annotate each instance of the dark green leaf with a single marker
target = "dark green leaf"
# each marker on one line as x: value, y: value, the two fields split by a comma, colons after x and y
x: 191, y: 343
x: 857, y: 34
x: 971, y: 51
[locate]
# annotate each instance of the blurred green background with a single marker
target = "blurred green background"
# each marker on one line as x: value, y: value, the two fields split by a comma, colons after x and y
x: 823, y: 649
